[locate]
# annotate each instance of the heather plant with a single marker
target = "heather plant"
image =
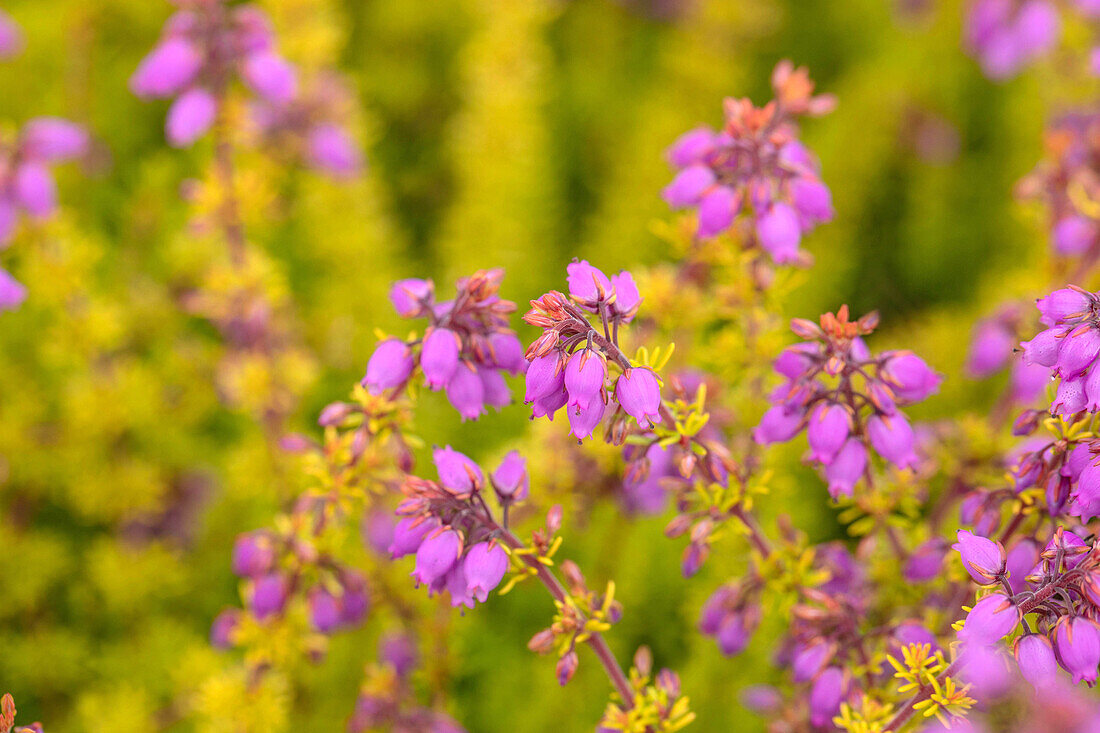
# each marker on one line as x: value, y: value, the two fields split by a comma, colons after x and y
x: 725, y: 466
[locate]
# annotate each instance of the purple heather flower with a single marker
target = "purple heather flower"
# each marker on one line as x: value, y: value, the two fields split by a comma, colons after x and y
x: 168, y: 68
x: 586, y: 281
x: 812, y: 199
x: 455, y: 584
x: 893, y: 439
x: 827, y: 430
x: 12, y: 292
x: 991, y: 619
x: 437, y: 554
x: 439, y: 357
x: 390, y: 366
x: 253, y: 555
x: 377, y: 529
x: 507, y: 352
x: 585, y: 373
x: 510, y: 480
x: 190, y: 116
x: 324, y: 610
x: 826, y: 695
x: 485, y: 565
x: 984, y: 559
x: 1006, y: 37
x: 408, y: 534
x: 466, y: 392
x: 547, y: 406
x: 627, y: 298
x: 926, y: 560
x: 456, y: 470
x: 809, y: 660
x: 912, y: 379
x: 35, y: 189
x: 1061, y: 305
x: 639, y: 394
x: 399, y: 651
x: 717, y: 211
x: 1035, y: 656
x: 846, y: 468
x: 410, y: 297
x: 355, y: 603
x: 1077, y: 640
x: 545, y: 378
x: 990, y: 348
x: 494, y: 389
x: 221, y: 631
x: 1029, y: 380
x: 330, y: 148
x: 795, y: 361
x: 692, y: 147
x: 583, y: 420
x: 777, y: 426
x: 270, y: 76
x: 733, y: 634
x: 779, y: 233
x: 1073, y: 235
x: 54, y: 140
x: 268, y: 596
x: 689, y: 185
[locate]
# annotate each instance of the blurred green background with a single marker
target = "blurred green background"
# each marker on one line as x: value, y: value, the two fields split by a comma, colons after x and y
x: 520, y: 133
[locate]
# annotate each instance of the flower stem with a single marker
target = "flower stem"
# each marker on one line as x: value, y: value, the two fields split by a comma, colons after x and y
x: 595, y: 641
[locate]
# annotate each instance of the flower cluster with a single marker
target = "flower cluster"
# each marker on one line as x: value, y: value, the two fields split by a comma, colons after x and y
x: 1007, y: 35
x: 204, y: 45
x: 465, y: 349
x: 307, y: 127
x: 275, y: 568
x: 1060, y: 593
x: 1067, y: 181
x: 7, y: 718
x: 448, y: 527
x: 846, y: 399
x: 1069, y: 347
x: 572, y: 361
x: 756, y: 164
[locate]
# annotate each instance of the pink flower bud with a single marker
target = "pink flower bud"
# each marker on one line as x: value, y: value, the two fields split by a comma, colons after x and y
x: 847, y: 468
x: 984, y: 559
x: 330, y: 148
x: 410, y: 297
x: 779, y: 233
x: 717, y: 211
x: 270, y: 76
x: 692, y: 147
x: 436, y: 555
x: 825, y: 696
x: 991, y: 619
x: 688, y: 186
x: 35, y: 189
x: 639, y: 394
x: 912, y: 379
x: 893, y: 439
x: 583, y: 421
x: 268, y: 596
x: 253, y: 555
x: 585, y: 281
x: 390, y: 366
x: 439, y: 357
x: 190, y: 116
x: 585, y: 374
x: 12, y: 293
x: 1061, y: 304
x: 167, y: 69
x: 456, y: 470
x: 777, y: 426
x: 466, y: 392
x: 545, y: 377
x: 485, y: 565
x: 1078, y: 642
x: 812, y: 199
x: 408, y: 534
x: 1035, y: 655
x: 510, y: 479
x: 828, y: 428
